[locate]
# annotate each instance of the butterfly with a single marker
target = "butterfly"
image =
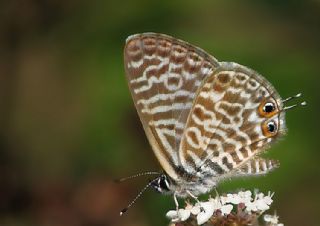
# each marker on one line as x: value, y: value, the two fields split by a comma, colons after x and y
x: 205, y: 120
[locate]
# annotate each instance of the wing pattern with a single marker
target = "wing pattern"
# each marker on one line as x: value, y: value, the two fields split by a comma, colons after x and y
x: 164, y: 74
x: 204, y: 119
x: 225, y: 129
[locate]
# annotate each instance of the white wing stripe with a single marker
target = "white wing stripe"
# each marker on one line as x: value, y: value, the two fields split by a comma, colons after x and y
x: 166, y: 96
x: 135, y: 64
x: 167, y: 147
x: 167, y: 122
x: 166, y: 108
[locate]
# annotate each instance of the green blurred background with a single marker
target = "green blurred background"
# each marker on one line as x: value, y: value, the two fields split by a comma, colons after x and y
x: 68, y: 125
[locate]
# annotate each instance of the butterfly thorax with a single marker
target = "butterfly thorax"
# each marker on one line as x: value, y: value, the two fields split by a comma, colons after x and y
x: 188, y: 184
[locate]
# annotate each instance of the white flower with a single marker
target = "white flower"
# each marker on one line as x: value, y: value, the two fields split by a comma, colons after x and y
x: 226, y: 209
x: 261, y: 205
x: 245, y: 196
x: 195, y: 210
x: 251, y: 206
x: 177, y: 216
x: 233, y: 198
x: 221, y: 205
x: 272, y: 219
x: 206, y: 213
x: 241, y: 197
x: 216, y: 202
x: 268, y: 199
x: 203, y: 211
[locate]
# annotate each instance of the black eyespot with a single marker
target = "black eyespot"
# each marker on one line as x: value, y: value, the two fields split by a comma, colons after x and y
x: 268, y: 107
x: 272, y: 127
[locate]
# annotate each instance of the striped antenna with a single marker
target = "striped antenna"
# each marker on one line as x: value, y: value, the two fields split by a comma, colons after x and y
x: 137, y: 196
x: 292, y: 97
x: 304, y: 103
x: 286, y: 108
x: 136, y: 175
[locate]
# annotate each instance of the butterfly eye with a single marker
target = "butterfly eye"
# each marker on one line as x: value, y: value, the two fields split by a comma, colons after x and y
x: 269, y: 128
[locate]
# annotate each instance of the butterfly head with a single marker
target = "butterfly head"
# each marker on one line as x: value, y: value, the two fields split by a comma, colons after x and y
x: 161, y: 184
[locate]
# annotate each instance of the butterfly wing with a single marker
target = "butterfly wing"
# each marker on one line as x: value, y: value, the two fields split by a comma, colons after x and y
x: 164, y: 74
x: 227, y: 125
x: 257, y: 166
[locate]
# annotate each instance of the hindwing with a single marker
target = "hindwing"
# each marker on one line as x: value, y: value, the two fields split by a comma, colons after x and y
x: 226, y: 127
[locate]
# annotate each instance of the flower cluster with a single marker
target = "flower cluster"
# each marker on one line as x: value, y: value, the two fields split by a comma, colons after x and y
x: 242, y: 207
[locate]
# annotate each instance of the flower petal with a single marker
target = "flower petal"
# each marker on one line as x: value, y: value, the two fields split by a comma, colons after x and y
x: 203, y: 217
x: 261, y: 205
x: 268, y: 200
x: 271, y: 219
x: 184, y: 214
x: 177, y: 216
x: 207, y: 212
x: 226, y: 209
x: 195, y: 210
x: 171, y: 214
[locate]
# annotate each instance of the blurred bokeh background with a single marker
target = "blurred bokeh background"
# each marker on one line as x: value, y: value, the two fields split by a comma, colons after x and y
x: 68, y: 125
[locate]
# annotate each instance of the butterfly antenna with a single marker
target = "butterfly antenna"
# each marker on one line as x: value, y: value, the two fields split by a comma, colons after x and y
x: 304, y: 103
x: 137, y: 196
x: 294, y: 105
x: 136, y: 175
x: 292, y: 97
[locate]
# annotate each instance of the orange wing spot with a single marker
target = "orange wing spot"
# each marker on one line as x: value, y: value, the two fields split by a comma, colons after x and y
x: 266, y: 114
x: 266, y: 132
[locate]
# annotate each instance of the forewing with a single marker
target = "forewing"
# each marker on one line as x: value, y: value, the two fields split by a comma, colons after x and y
x: 164, y: 74
x: 225, y: 129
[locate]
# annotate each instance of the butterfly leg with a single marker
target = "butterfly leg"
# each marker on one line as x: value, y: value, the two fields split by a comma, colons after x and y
x: 197, y: 200
x: 176, y: 201
x: 216, y: 191
x: 193, y: 196
x: 177, y: 204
